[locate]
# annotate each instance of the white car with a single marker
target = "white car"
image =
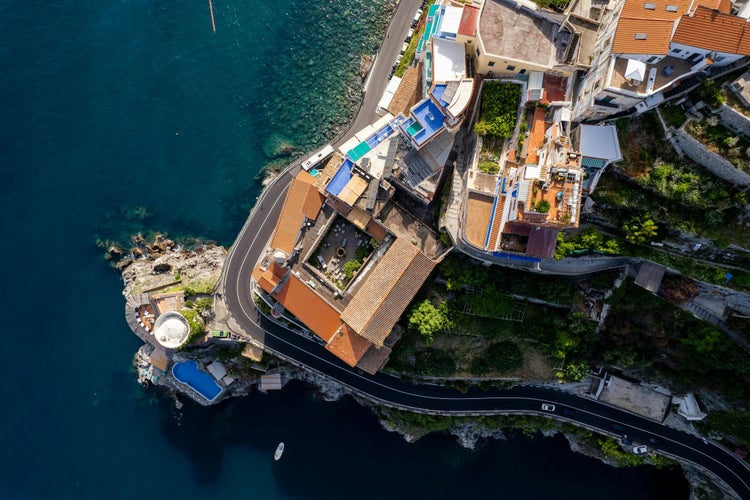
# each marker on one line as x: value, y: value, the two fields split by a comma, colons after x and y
x: 640, y: 450
x: 548, y: 407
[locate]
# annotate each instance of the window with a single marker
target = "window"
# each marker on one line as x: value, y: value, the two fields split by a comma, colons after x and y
x: 521, y: 72
x: 652, y: 59
x: 511, y: 68
x: 719, y: 59
x: 649, y: 6
x: 676, y: 51
x: 671, y: 8
x: 640, y: 36
x: 477, y: 52
x: 491, y: 64
x: 606, y: 100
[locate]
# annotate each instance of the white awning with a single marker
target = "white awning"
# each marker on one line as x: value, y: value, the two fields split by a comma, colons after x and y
x: 636, y: 70
x: 600, y: 141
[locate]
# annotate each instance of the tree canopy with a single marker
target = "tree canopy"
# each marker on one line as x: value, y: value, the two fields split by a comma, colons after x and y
x: 428, y: 319
x: 499, y: 109
x: 640, y: 229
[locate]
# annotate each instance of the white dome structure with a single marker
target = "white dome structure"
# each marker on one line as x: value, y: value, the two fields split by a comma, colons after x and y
x: 171, y: 329
x: 279, y: 257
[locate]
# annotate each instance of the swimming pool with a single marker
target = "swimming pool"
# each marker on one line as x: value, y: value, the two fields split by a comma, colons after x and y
x: 188, y: 373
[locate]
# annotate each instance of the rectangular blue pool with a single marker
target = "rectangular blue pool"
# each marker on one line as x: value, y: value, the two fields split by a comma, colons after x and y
x: 189, y: 374
x: 341, y: 178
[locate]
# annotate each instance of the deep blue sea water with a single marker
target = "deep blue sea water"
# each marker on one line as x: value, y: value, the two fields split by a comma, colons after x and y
x: 119, y: 116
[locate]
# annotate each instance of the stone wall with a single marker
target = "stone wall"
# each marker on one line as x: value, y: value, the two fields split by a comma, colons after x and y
x: 734, y: 120
x: 717, y: 165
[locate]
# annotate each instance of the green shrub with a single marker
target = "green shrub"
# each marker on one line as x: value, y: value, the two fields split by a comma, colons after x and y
x: 435, y: 363
x: 488, y: 167
x: 499, y: 109
x: 501, y: 357
x: 352, y: 267
x: 542, y: 207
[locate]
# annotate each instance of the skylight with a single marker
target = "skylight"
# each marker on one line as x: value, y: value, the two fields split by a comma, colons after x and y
x: 649, y: 6
x: 641, y: 36
x: 672, y: 8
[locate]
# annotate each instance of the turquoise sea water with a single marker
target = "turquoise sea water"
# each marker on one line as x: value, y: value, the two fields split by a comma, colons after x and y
x: 120, y: 116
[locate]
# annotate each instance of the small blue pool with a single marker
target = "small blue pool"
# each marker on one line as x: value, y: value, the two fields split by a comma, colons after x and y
x: 189, y: 374
x: 339, y: 180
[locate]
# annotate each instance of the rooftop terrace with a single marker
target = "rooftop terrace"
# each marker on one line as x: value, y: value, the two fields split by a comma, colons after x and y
x: 666, y: 71
x: 426, y: 121
x: 509, y: 32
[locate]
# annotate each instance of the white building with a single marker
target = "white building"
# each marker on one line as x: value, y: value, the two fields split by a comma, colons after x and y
x: 647, y: 47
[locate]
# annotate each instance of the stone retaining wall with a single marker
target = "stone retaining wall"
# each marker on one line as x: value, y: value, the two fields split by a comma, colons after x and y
x: 712, y: 161
x: 734, y: 120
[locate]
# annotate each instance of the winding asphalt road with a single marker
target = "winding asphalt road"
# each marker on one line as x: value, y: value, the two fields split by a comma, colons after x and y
x: 384, y: 389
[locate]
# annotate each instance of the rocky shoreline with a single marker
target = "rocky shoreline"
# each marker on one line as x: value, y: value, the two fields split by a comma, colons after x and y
x: 163, y: 264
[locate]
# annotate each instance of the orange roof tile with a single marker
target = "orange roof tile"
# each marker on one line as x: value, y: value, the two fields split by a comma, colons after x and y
x: 642, y: 36
x: 269, y: 278
x: 478, y: 215
x: 536, y: 137
x: 711, y: 30
x: 387, y: 291
x: 723, y: 6
x: 348, y: 346
x: 636, y: 9
x: 302, y: 199
x: 468, y: 25
x: 309, y: 307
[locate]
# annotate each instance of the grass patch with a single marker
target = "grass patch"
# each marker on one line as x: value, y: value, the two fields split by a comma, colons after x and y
x: 673, y: 115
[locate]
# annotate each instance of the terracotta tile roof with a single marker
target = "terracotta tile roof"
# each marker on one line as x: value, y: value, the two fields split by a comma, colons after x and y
x: 387, y: 291
x: 348, y: 346
x: 376, y: 230
x: 406, y: 94
x: 302, y: 199
x: 468, y: 25
x: 711, y: 30
x: 657, y: 36
x: 655, y: 22
x: 723, y: 6
x: 269, y: 278
x: 636, y: 9
x: 374, y: 359
x: 309, y: 307
x: 536, y: 136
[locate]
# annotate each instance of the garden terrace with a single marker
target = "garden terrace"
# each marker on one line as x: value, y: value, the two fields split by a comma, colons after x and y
x: 562, y: 196
x: 340, y: 252
x: 499, y: 109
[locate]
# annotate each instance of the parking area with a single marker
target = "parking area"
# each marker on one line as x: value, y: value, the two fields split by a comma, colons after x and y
x: 635, y: 398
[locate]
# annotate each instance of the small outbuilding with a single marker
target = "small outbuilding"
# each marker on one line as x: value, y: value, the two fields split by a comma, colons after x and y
x: 650, y: 276
x: 171, y: 330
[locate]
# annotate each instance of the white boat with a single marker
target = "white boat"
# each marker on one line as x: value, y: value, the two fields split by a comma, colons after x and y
x: 279, y: 451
